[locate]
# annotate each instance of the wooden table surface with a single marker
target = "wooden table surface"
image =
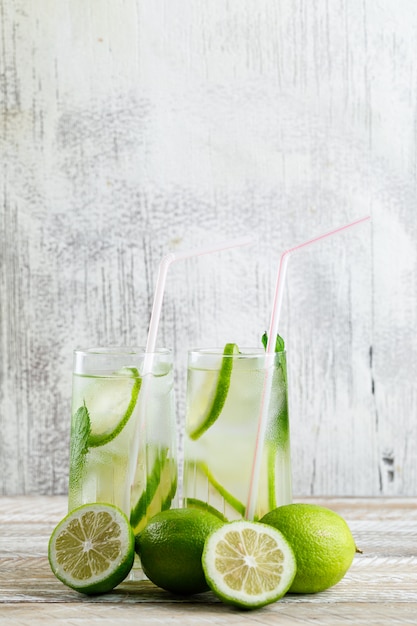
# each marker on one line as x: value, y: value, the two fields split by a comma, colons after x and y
x: 380, y: 587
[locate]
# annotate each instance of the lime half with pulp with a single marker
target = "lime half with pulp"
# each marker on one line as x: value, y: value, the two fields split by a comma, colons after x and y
x: 92, y: 549
x: 247, y: 565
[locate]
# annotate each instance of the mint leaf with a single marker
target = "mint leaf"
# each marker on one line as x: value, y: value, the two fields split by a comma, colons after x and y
x: 279, y: 344
x: 80, y: 434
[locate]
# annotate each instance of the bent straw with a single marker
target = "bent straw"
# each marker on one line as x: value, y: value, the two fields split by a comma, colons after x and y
x: 164, y: 266
x: 270, y: 350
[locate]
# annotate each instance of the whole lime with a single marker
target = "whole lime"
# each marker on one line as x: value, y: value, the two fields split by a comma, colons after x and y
x: 321, y: 541
x: 170, y: 549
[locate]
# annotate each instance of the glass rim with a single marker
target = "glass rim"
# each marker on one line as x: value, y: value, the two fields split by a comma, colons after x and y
x: 245, y: 353
x: 120, y: 351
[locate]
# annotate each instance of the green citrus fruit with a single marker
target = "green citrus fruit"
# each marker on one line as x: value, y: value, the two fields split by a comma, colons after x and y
x: 322, y: 543
x: 92, y: 549
x: 248, y: 564
x: 170, y: 549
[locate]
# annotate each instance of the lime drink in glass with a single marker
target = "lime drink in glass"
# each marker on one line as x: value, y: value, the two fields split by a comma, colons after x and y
x: 122, y: 444
x: 224, y: 397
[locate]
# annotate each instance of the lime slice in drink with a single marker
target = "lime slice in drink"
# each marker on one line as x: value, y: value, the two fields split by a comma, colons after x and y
x: 110, y: 403
x: 214, y: 397
x: 200, y: 482
x: 158, y: 493
x: 195, y: 503
x: 247, y: 565
x: 92, y: 549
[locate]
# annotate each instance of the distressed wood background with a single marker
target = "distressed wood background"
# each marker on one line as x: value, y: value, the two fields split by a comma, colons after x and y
x: 130, y: 128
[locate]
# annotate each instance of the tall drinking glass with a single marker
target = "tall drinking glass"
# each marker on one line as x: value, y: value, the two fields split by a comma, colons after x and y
x: 224, y: 396
x: 123, y: 440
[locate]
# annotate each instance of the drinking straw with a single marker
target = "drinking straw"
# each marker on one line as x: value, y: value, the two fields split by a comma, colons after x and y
x: 164, y: 266
x: 270, y: 350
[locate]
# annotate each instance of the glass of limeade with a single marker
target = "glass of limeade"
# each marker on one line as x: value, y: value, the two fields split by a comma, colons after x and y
x: 223, y: 404
x: 123, y: 438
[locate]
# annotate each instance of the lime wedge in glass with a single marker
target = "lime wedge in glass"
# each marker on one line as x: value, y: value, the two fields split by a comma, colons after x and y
x: 158, y: 492
x: 195, y: 503
x: 110, y: 403
x: 92, y: 549
x: 203, y: 482
x: 214, y: 396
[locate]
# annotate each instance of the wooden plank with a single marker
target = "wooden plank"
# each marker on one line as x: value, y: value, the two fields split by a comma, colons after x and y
x: 375, y: 579
x: 193, y: 614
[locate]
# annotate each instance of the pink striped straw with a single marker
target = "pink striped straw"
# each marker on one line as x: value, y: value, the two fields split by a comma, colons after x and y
x: 164, y: 266
x: 270, y: 350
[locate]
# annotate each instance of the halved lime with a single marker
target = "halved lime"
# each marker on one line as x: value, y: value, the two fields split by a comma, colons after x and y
x: 247, y: 565
x: 158, y: 493
x: 92, y: 549
x: 214, y: 398
x: 110, y: 403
